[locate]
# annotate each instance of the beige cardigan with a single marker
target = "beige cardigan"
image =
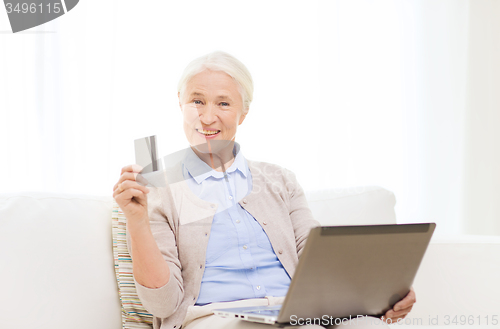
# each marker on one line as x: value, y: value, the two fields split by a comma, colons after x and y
x: 181, y: 222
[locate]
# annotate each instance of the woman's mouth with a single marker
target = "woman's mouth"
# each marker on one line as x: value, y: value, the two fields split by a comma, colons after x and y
x: 208, y: 133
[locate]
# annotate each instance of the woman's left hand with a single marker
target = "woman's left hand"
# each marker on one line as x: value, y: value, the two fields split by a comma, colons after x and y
x: 401, y: 308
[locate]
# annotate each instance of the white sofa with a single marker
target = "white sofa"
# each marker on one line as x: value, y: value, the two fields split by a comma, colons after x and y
x: 56, y: 261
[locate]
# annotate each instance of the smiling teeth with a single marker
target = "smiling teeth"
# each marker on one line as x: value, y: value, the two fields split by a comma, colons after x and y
x: 208, y: 132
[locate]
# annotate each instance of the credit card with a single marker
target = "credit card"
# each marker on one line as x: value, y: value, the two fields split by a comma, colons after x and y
x: 146, y: 150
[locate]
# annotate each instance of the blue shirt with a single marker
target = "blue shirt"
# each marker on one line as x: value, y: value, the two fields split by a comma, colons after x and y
x: 240, y: 261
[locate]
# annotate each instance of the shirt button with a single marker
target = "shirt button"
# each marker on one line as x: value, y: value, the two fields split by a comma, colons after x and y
x: 245, y: 201
x: 237, y: 221
x: 230, y: 197
x: 206, y: 234
x: 201, y: 266
x: 280, y: 251
x: 264, y: 223
x: 258, y: 287
x: 245, y: 247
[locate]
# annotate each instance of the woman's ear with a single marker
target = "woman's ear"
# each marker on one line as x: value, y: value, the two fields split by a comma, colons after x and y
x: 179, y: 96
x: 242, y: 117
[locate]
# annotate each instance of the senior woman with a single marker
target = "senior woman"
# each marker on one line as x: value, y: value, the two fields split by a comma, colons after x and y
x: 222, y: 231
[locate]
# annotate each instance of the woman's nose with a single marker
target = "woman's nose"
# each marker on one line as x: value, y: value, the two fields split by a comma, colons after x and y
x: 208, y: 115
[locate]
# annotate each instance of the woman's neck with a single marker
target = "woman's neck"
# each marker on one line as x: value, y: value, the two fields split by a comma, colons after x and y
x: 219, y: 159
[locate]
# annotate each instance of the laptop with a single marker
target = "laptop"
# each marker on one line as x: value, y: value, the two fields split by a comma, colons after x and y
x: 347, y: 272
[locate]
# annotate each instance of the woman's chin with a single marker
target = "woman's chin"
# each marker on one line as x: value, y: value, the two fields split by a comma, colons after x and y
x: 213, y: 146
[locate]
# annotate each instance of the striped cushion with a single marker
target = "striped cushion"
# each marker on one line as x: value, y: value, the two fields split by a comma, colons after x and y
x: 133, y: 313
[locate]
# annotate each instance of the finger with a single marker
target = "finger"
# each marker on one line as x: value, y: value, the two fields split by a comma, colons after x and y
x: 135, y: 192
x: 392, y: 313
x: 125, y: 176
x: 132, y: 168
x: 406, y: 302
x: 129, y: 194
x: 133, y: 184
x: 132, y: 177
x: 117, y: 192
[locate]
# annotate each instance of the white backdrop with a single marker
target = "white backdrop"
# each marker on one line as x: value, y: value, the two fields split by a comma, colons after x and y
x: 402, y: 94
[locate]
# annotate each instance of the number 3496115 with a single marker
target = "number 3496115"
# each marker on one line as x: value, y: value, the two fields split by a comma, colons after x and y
x: 471, y: 320
x: 33, y: 8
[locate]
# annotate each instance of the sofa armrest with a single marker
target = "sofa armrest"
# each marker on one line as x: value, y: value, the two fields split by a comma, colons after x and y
x: 56, y: 264
x: 459, y: 276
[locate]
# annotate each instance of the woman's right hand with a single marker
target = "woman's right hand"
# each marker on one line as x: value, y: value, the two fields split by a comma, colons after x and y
x: 131, y: 196
x: 148, y: 265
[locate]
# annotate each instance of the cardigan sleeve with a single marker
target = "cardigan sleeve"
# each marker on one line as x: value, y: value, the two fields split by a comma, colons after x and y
x: 300, y: 214
x: 163, y: 301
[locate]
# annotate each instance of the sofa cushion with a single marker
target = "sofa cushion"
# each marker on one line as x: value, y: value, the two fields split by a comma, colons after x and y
x: 134, y: 315
x: 56, y: 265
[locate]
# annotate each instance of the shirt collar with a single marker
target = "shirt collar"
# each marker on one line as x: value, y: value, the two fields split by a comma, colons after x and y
x: 200, y: 171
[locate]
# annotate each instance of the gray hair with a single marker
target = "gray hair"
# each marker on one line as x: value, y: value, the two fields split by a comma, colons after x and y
x: 221, y: 61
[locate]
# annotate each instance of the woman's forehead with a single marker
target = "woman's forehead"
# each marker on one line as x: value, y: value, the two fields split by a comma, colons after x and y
x: 212, y: 83
x: 221, y: 94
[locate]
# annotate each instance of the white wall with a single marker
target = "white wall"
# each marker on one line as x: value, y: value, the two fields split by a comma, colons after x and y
x: 398, y: 94
x: 481, y: 193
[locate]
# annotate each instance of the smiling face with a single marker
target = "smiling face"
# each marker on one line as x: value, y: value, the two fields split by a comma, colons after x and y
x: 212, y: 108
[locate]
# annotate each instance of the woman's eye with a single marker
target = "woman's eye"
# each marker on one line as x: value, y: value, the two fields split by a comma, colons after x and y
x: 224, y: 104
x: 197, y: 102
